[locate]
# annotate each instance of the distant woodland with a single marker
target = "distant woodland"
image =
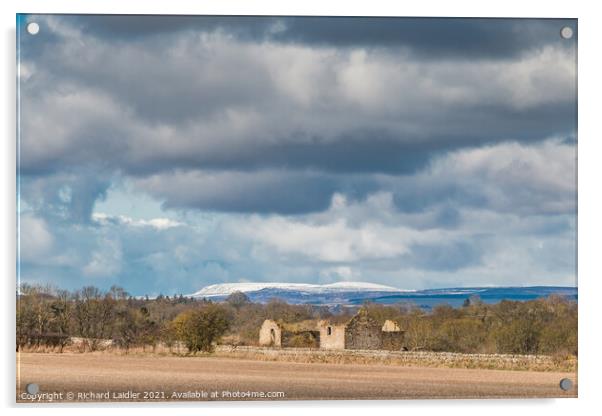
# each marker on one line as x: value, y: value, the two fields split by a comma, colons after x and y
x: 50, y: 318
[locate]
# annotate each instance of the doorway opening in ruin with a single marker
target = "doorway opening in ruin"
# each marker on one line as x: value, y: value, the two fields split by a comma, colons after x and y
x: 272, y: 336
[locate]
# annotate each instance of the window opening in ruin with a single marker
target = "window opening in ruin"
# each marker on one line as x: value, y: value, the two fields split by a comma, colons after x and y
x: 329, y: 331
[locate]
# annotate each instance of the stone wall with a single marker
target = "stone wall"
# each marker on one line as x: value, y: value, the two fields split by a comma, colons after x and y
x: 392, y: 336
x: 270, y: 334
x: 404, y: 358
x: 332, y: 337
x: 392, y: 340
x: 363, y: 333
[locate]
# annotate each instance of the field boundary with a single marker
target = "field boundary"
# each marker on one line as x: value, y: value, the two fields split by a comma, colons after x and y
x: 559, y: 362
x: 403, y: 358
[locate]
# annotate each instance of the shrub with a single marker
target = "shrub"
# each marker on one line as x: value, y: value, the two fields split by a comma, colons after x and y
x: 199, y: 328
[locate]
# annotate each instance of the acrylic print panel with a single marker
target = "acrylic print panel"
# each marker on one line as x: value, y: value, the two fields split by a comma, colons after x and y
x: 294, y: 208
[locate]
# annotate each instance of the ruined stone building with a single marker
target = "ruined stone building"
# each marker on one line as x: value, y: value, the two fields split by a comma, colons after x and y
x: 280, y: 334
x: 392, y: 336
x: 270, y: 334
x: 358, y: 333
x: 332, y: 333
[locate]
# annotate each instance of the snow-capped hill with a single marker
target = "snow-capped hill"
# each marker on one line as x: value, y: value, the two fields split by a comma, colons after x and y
x: 357, y: 293
x: 362, y: 286
x: 224, y: 289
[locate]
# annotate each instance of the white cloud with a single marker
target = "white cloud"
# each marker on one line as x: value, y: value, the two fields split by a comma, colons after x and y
x: 333, y: 240
x: 157, y: 223
x: 106, y: 259
x: 516, y: 177
x: 547, y: 166
x: 35, y: 238
x: 341, y: 273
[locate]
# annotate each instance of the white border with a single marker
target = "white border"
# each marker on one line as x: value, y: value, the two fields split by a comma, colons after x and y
x: 590, y: 207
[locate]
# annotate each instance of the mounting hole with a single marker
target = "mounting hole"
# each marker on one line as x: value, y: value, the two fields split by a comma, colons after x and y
x: 32, y: 388
x: 566, y: 32
x: 566, y: 384
x: 33, y: 28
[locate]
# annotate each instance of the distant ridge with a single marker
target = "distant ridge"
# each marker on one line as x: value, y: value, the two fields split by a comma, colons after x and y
x: 357, y: 293
x: 224, y: 289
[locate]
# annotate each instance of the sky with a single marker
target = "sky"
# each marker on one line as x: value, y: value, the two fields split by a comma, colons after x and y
x: 166, y: 153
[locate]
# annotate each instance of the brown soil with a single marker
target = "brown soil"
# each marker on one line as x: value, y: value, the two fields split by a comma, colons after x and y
x: 166, y: 375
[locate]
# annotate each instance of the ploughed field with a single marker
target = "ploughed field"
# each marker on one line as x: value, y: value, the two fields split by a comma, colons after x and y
x: 72, y: 377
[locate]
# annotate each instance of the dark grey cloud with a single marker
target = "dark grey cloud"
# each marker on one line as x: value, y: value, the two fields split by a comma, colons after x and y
x: 333, y: 136
x: 235, y: 97
x: 266, y: 192
x: 435, y: 38
x: 356, y: 153
x: 523, y: 179
x: 132, y: 27
x: 427, y: 37
x: 65, y: 197
x: 451, y: 256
